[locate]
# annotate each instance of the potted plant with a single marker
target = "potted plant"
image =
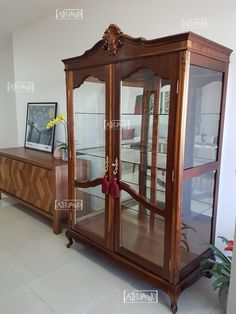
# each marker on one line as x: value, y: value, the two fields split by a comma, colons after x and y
x: 221, y: 270
x: 60, y: 119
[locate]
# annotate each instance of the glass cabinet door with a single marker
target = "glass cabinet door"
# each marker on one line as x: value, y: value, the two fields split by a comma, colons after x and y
x: 200, y: 161
x: 145, y: 179
x: 90, y: 142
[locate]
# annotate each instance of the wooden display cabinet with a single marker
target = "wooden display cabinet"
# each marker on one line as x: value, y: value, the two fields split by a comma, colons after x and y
x: 148, y: 114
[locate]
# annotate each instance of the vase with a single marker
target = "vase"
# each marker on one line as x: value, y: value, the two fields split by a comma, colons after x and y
x: 57, y: 153
x: 64, y: 154
x: 223, y: 296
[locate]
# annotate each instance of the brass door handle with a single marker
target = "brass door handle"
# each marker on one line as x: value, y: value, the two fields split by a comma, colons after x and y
x: 115, y: 165
x: 106, y: 164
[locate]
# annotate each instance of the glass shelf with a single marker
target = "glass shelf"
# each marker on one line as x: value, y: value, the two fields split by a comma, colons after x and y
x: 92, y: 152
x: 131, y: 204
x: 137, y: 185
x: 125, y: 114
x: 140, y: 114
x: 90, y: 192
x: 94, y: 113
x: 126, y: 156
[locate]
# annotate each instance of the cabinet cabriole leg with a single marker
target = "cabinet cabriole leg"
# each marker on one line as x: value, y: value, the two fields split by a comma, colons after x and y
x: 207, y: 274
x: 173, y: 301
x: 70, y: 240
x: 174, y: 308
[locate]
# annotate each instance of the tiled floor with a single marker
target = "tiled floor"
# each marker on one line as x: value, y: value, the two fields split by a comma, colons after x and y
x: 39, y: 275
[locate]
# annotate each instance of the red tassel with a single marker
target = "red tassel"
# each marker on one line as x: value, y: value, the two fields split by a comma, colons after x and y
x: 115, y: 189
x: 105, y: 185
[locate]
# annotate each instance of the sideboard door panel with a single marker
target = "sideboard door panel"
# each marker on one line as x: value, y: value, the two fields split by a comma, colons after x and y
x: 41, y: 189
x: 27, y: 182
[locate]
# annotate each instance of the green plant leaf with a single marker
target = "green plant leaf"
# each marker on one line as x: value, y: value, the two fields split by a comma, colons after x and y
x: 220, y: 254
x: 219, y: 281
x: 219, y: 260
x: 224, y: 240
x: 213, y: 272
x: 63, y: 146
x: 220, y: 268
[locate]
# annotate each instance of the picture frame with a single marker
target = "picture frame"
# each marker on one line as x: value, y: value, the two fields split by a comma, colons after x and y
x: 37, y: 136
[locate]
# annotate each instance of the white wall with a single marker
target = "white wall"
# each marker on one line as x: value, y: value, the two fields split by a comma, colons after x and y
x: 38, y: 49
x: 8, y: 128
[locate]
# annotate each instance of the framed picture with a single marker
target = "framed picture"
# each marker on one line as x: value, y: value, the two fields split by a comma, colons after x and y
x: 37, y: 136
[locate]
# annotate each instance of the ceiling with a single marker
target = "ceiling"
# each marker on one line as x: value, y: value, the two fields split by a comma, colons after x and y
x: 16, y: 14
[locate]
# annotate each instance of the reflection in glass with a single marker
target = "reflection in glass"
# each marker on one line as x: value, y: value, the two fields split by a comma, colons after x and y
x: 142, y: 234
x: 92, y: 214
x: 89, y: 100
x: 145, y: 101
x: 197, y: 212
x: 203, y: 115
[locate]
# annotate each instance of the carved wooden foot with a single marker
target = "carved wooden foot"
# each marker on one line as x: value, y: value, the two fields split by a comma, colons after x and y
x: 174, y: 308
x: 207, y: 274
x: 70, y: 241
x: 173, y: 300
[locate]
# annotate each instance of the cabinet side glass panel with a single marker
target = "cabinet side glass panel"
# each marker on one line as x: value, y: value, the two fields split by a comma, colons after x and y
x: 197, y: 213
x: 203, y: 116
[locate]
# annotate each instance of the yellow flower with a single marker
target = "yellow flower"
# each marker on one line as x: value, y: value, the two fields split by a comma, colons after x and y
x: 59, y: 119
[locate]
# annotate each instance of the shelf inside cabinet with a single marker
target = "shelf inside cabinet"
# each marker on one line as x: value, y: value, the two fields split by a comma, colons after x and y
x: 128, y: 155
x: 88, y: 113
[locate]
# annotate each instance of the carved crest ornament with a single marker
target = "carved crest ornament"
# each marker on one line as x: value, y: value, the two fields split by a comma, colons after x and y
x: 112, y: 41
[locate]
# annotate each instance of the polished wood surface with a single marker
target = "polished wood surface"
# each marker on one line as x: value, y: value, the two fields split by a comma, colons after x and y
x: 27, y: 182
x: 150, y: 250
x: 35, y: 157
x: 180, y: 42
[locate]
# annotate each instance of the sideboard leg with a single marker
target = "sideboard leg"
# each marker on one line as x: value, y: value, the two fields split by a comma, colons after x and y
x: 57, y: 221
x: 70, y: 240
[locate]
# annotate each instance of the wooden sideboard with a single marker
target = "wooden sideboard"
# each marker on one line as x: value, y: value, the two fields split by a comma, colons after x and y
x: 35, y: 179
